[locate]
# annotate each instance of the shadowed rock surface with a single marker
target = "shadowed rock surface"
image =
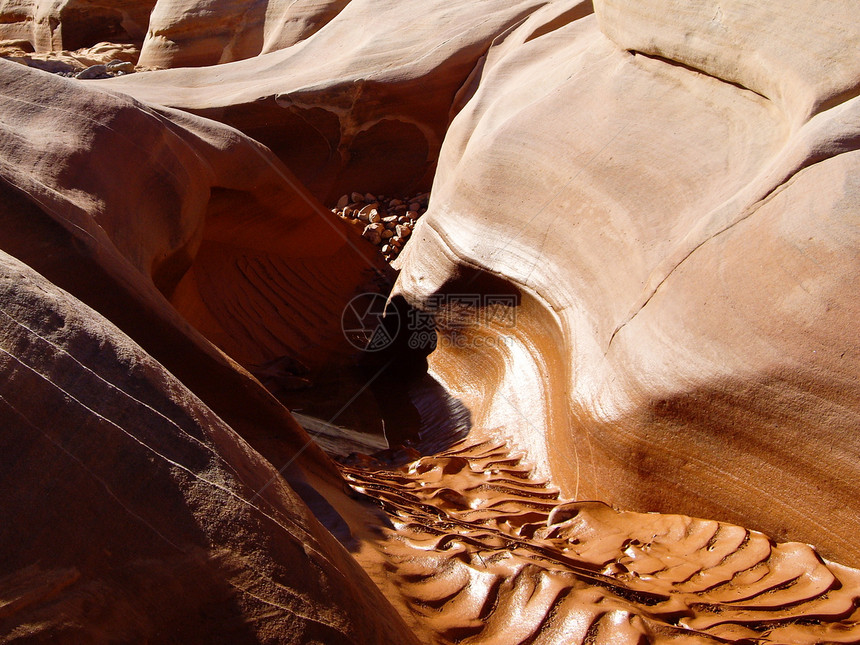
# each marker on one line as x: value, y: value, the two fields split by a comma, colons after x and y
x: 131, y: 512
x: 639, y: 262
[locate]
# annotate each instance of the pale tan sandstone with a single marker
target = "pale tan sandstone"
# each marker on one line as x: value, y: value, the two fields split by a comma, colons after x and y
x: 65, y: 61
x: 674, y: 219
x: 54, y: 25
x: 685, y: 253
x: 362, y: 104
x: 801, y: 56
x: 189, y: 33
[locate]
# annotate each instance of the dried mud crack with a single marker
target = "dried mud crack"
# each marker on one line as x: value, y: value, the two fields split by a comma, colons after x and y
x: 479, y: 551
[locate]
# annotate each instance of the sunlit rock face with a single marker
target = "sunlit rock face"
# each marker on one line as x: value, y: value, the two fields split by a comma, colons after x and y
x: 53, y: 25
x: 640, y: 248
x: 673, y: 191
x: 363, y: 104
x: 191, y: 34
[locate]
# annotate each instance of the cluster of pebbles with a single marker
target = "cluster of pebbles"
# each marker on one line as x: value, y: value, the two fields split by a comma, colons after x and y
x: 103, y: 60
x: 386, y: 222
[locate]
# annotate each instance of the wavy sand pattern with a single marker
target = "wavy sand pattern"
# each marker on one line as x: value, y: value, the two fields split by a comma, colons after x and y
x: 480, y: 552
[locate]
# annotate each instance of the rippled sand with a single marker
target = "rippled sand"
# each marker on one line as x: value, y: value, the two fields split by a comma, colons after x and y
x: 478, y: 551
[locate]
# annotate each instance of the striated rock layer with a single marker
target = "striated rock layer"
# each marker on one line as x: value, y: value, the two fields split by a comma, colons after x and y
x: 363, y: 103
x: 131, y: 512
x: 170, y: 207
x: 133, y: 489
x: 482, y: 552
x: 189, y: 34
x: 641, y: 250
x: 671, y: 192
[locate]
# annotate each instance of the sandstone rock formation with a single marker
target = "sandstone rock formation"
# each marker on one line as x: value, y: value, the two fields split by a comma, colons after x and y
x: 684, y: 245
x: 70, y: 63
x: 189, y: 34
x: 363, y: 104
x: 175, y: 207
x: 116, y: 202
x: 640, y: 253
x: 131, y: 512
x: 53, y: 25
x: 485, y: 553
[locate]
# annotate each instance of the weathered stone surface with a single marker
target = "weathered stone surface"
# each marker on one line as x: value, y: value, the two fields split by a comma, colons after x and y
x: 191, y: 33
x: 64, y: 61
x: 54, y: 25
x: 641, y: 257
x: 344, y: 109
x: 94, y: 71
x: 190, y: 539
x: 204, y: 234
x: 123, y: 66
x: 685, y: 254
x: 373, y: 232
x: 131, y: 511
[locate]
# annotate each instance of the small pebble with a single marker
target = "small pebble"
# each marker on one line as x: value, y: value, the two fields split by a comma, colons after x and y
x: 372, y: 233
x: 120, y: 67
x: 94, y: 71
x: 364, y: 213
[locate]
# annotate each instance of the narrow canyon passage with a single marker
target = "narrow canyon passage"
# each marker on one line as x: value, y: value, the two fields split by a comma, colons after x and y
x: 392, y: 322
x: 474, y: 546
